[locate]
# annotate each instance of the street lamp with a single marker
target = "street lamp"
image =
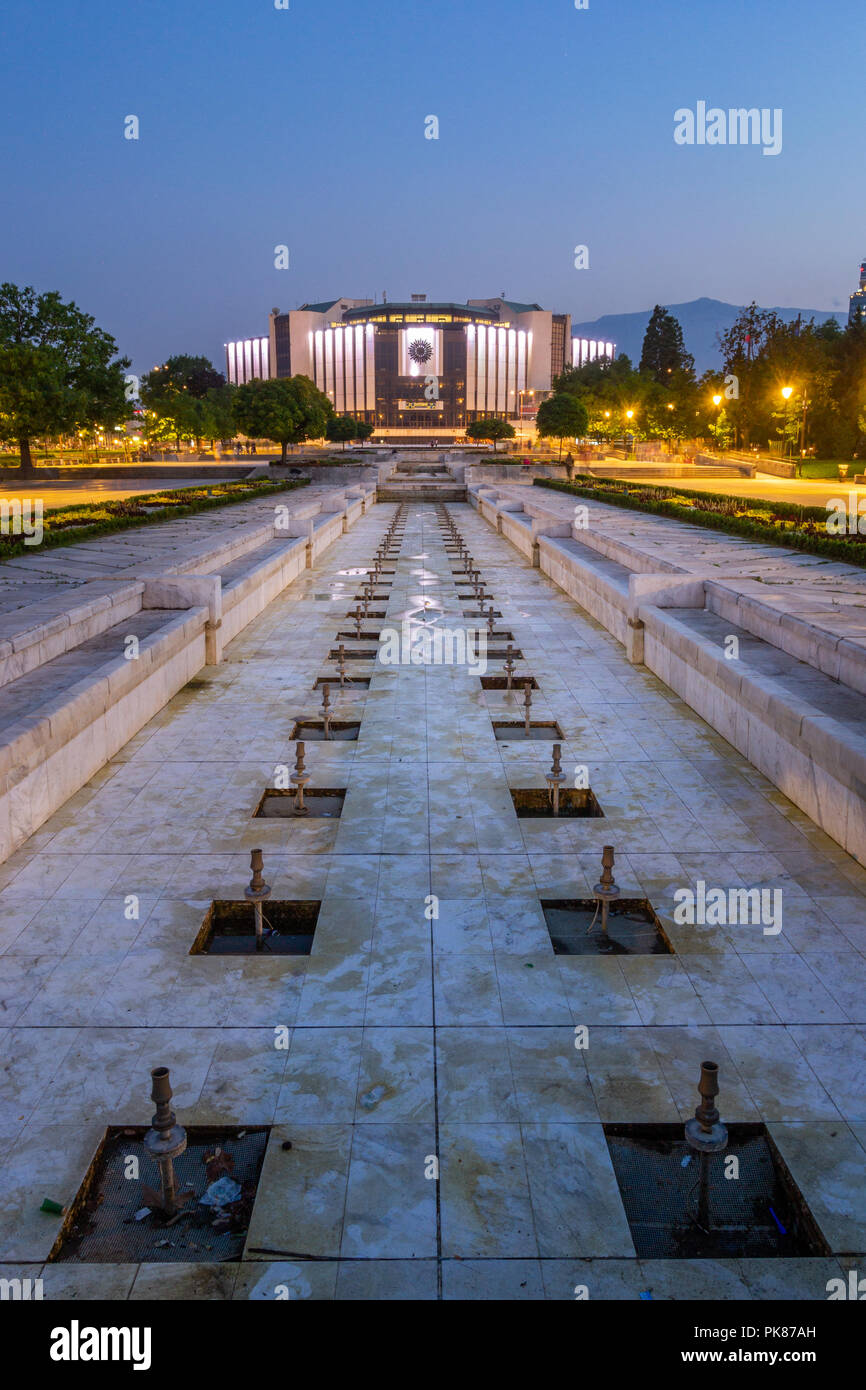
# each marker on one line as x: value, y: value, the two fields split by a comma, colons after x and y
x: 787, y: 393
x: 629, y: 415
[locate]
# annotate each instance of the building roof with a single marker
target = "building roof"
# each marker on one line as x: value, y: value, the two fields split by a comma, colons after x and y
x: 414, y: 307
x: 522, y: 308
x: 321, y: 308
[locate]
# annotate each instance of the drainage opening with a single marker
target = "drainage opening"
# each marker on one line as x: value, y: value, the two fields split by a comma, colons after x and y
x: 357, y: 637
x: 500, y: 654
x: 368, y: 654
x: 229, y: 929
x: 278, y: 803
x: 760, y: 1213
x: 633, y: 929
x: 534, y: 803
x: 349, y: 684
x: 340, y: 730
x: 518, y: 683
x: 109, y: 1221
x: 514, y: 731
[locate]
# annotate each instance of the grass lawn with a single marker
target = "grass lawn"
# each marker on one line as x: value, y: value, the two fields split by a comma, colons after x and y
x: 829, y: 468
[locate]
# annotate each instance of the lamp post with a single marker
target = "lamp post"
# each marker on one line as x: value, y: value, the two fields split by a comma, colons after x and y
x: 629, y: 415
x: 787, y: 393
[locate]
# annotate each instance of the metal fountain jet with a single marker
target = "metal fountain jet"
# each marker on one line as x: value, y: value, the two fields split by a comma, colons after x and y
x: 555, y: 778
x: 257, y: 892
x: 341, y: 664
x: 300, y: 777
x: 706, y: 1135
x: 510, y: 665
x: 165, y: 1141
x: 326, y: 711
x: 527, y: 707
x: 358, y: 621
x: 606, y: 890
x: 491, y: 623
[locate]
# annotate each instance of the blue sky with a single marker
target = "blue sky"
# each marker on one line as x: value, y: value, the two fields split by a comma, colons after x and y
x: 305, y: 127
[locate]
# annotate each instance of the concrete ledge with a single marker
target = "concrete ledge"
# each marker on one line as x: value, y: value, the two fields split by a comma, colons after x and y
x: 49, y: 631
x: 46, y: 757
x: 772, y: 709
x: 52, y: 750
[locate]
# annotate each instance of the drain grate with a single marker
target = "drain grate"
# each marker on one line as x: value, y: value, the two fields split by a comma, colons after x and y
x: 758, y: 1214
x: 312, y: 730
x: 534, y: 803
x: 101, y: 1225
x: 633, y: 928
x: 368, y: 654
x: 229, y: 929
x: 322, y: 802
x: 357, y: 636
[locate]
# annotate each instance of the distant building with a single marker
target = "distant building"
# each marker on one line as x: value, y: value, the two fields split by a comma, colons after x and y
x: 414, y: 365
x: 857, y: 302
x: 585, y: 350
x: 247, y: 358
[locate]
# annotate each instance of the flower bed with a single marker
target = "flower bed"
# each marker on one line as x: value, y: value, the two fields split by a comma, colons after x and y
x: 754, y: 518
x: 66, y: 525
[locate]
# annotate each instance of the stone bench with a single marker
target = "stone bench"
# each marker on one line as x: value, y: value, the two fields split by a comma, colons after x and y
x: 70, y: 697
x: 62, y: 721
x: 804, y: 730
x: 793, y: 700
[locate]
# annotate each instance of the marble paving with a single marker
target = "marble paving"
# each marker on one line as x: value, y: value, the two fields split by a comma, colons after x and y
x: 432, y: 1027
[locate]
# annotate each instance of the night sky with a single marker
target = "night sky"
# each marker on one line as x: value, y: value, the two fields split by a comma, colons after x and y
x: 305, y: 127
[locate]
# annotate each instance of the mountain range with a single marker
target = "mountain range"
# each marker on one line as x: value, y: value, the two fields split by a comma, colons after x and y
x: 700, y: 319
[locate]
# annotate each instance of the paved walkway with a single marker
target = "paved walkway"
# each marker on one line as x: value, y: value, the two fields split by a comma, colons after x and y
x: 413, y: 1036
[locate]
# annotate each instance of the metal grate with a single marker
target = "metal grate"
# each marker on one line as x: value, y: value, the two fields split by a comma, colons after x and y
x: 102, y: 1228
x: 660, y: 1196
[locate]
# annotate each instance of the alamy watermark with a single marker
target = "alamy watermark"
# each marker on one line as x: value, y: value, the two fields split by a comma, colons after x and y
x: 417, y: 644
x: 22, y: 517
x: 735, y: 907
x: 713, y: 125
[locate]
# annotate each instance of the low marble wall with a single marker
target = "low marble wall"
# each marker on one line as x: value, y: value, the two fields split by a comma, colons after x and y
x: 52, y: 752
x: 816, y: 760
x: 46, y: 757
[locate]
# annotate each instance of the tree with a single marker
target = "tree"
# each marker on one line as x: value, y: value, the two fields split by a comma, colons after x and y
x: 340, y: 429
x: 491, y: 427
x: 664, y: 351
x: 561, y: 416
x: 58, y: 371
x: 363, y: 430
x: 287, y: 409
x: 180, y: 394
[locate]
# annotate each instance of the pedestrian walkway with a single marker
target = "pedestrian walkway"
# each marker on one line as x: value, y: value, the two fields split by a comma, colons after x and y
x: 447, y: 1076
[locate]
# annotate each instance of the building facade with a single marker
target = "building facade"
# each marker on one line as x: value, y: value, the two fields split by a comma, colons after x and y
x: 857, y: 302
x: 415, y: 365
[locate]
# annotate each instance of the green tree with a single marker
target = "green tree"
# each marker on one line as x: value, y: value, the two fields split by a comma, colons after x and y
x: 492, y: 428
x: 664, y: 351
x: 179, y: 394
x: 561, y: 416
x: 58, y: 371
x: 363, y: 430
x: 286, y: 409
x: 340, y: 429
